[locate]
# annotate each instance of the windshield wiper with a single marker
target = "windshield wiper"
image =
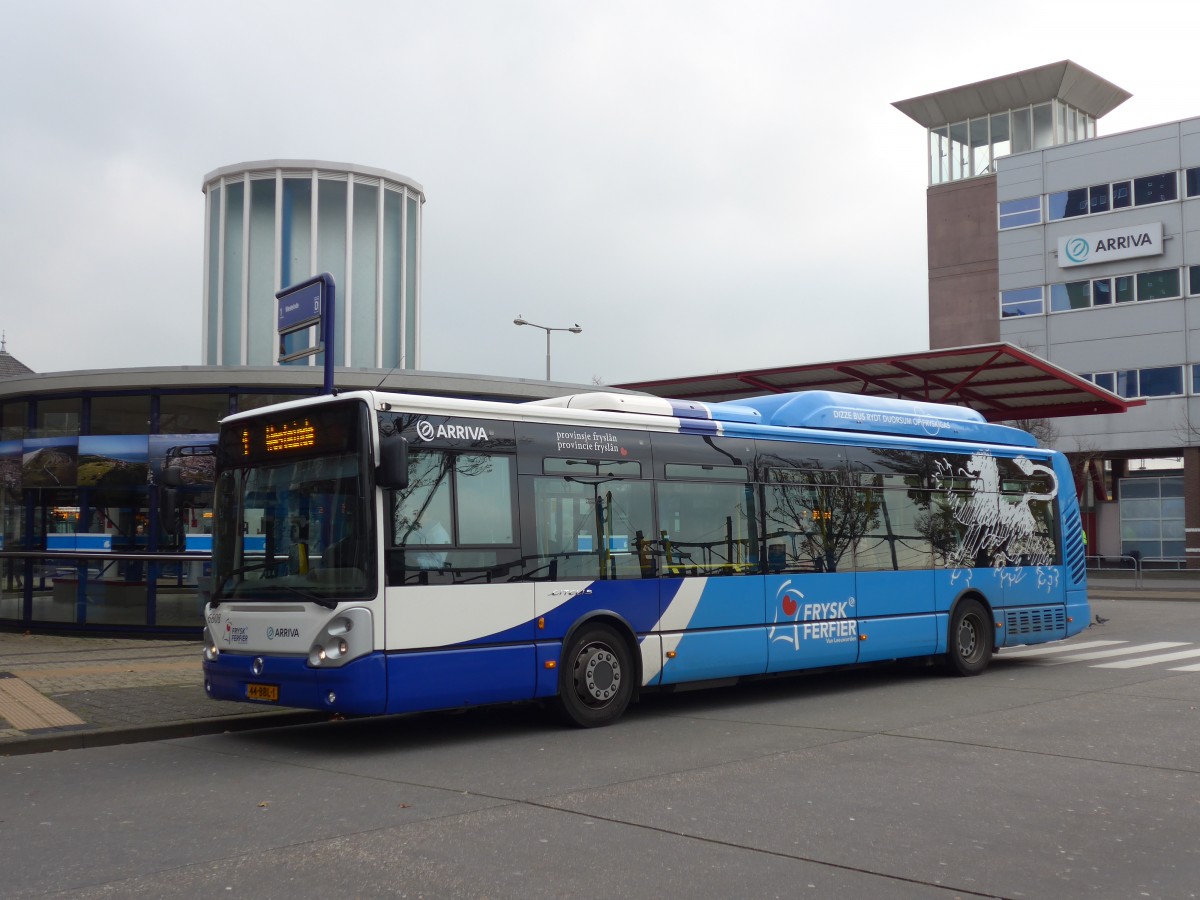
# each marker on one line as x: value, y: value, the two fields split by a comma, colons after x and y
x: 249, y: 567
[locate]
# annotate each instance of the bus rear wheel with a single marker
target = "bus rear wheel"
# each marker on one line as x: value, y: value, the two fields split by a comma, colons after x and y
x: 596, y: 676
x: 971, y: 639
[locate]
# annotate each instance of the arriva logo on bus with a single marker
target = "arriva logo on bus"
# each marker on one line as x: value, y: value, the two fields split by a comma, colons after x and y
x: 427, y: 431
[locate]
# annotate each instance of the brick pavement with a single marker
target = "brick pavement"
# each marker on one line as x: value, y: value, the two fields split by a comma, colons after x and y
x: 59, y: 692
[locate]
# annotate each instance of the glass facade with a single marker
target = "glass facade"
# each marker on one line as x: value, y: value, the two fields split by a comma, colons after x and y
x: 1102, y: 198
x: 276, y: 223
x: 106, y: 486
x: 970, y: 148
x: 1152, y: 519
x: 106, y: 505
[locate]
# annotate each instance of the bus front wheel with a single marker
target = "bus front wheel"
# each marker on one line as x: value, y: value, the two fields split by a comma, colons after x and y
x: 971, y: 639
x: 595, y: 680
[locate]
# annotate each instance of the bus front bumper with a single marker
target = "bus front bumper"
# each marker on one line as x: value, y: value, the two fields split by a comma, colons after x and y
x: 357, y: 688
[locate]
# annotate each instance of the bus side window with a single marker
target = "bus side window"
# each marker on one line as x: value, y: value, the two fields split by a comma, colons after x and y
x: 898, y: 536
x: 591, y: 528
x: 421, y: 511
x: 810, y: 521
x: 453, y: 523
x: 707, y: 528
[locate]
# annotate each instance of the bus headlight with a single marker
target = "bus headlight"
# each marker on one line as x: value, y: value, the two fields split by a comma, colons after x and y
x: 211, y: 651
x: 345, y: 637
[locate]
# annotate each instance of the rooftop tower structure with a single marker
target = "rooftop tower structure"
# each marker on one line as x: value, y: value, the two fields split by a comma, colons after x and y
x: 968, y: 129
x: 274, y: 223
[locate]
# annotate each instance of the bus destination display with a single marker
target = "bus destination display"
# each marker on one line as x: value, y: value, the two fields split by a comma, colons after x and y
x: 292, y: 436
x: 330, y: 429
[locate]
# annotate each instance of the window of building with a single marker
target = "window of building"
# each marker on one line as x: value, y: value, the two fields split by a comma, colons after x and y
x: 1102, y: 198
x: 1161, y: 284
x: 1043, y: 126
x: 1127, y: 383
x: 1017, y: 213
x: 120, y: 415
x: 1001, y: 145
x: 1155, y: 189
x: 1162, y: 381
x: 1196, y: 379
x: 1022, y: 302
x: 1107, y: 290
x: 1022, y: 133
x: 57, y: 418
x: 981, y: 162
x: 939, y: 155
x: 191, y: 413
x: 1158, y: 285
x: 247, y: 402
x: 1068, y: 204
x: 1124, y: 288
x: 13, y: 419
x: 1194, y: 280
x: 1152, y: 517
x: 1192, y: 179
x: 1157, y: 381
x: 960, y: 165
x: 1070, y: 295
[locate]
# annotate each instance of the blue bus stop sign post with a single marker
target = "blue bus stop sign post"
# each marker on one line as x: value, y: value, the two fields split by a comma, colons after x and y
x: 303, y: 305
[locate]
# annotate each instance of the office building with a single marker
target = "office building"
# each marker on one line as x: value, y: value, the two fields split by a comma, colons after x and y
x: 1084, y: 250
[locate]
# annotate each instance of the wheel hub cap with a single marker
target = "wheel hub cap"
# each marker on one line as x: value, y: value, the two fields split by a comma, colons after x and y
x: 601, y: 674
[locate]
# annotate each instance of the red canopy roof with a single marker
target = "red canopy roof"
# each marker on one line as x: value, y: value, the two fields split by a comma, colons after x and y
x: 1001, y: 381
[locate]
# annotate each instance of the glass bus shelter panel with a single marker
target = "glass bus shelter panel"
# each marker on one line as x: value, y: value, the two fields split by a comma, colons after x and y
x: 90, y: 592
x: 13, y: 576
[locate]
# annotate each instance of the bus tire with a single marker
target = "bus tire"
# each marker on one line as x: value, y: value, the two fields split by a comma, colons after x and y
x: 971, y: 638
x: 595, y: 677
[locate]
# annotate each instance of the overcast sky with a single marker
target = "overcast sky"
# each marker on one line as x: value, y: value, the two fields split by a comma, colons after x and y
x: 702, y: 186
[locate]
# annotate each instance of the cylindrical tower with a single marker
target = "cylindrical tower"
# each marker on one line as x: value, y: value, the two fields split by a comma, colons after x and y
x: 274, y: 223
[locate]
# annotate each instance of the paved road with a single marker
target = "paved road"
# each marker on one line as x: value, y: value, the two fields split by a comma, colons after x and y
x: 1055, y: 775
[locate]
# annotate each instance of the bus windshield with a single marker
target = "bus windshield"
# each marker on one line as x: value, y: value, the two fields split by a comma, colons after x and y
x: 295, y: 524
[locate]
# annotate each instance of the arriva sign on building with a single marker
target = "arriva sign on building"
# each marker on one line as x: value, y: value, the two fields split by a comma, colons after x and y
x: 1106, y: 246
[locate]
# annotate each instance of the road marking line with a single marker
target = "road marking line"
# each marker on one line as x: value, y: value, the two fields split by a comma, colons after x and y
x: 1195, y: 668
x: 1148, y: 660
x: 1053, y: 648
x: 1120, y: 651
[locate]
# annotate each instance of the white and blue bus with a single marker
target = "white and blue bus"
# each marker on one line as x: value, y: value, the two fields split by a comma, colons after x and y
x: 389, y: 553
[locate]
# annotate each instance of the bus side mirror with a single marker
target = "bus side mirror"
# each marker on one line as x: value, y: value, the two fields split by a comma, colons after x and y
x: 392, y: 471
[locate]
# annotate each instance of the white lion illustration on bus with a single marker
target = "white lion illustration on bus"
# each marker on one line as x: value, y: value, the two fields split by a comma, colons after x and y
x: 1010, y: 530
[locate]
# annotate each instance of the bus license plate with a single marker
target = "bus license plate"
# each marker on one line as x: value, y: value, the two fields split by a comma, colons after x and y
x: 263, y: 692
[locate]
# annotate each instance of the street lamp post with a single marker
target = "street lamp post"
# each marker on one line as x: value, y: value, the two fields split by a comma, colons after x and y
x: 574, y: 329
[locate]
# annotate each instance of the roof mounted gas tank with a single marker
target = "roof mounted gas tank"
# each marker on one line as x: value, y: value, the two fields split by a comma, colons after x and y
x: 648, y: 405
x: 880, y: 415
